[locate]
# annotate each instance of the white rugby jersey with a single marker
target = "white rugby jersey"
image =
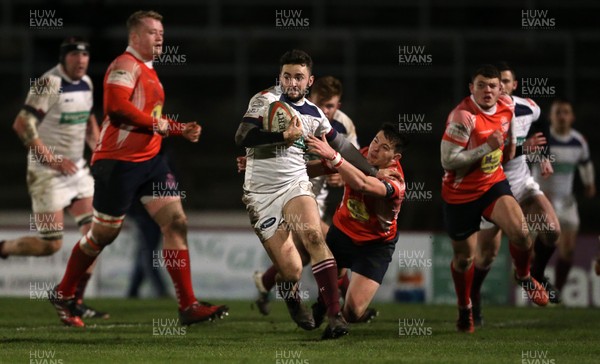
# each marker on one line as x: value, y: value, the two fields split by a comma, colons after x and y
x: 568, y: 151
x: 526, y: 113
x: 343, y: 125
x: 63, y: 108
x: 273, y: 167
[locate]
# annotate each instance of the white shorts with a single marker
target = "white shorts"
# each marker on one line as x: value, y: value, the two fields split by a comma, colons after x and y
x: 266, y: 209
x: 521, y: 191
x: 567, y: 213
x: 525, y: 190
x: 320, y: 190
x: 50, y: 191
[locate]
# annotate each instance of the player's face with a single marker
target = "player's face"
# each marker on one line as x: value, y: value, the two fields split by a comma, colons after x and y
x: 147, y: 39
x: 295, y: 79
x: 509, y: 84
x: 381, y: 151
x: 562, y: 117
x: 76, y: 64
x: 329, y: 107
x: 485, y: 91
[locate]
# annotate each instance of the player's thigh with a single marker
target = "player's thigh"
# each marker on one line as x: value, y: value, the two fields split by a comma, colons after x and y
x: 540, y: 215
x: 50, y: 226
x: 361, y: 291
x: 301, y: 213
x: 507, y: 214
x: 283, y: 253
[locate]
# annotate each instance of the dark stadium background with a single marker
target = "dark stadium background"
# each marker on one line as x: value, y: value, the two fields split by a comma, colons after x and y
x: 232, y: 50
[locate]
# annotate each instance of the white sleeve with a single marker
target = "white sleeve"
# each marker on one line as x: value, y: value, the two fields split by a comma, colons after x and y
x: 43, y: 94
x: 586, y: 167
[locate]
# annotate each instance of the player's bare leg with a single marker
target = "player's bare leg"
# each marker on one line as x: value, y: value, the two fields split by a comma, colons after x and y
x: 507, y: 215
x: 462, y: 269
x: 488, y: 245
x: 546, y: 224
x: 168, y: 213
x: 50, y: 227
x: 265, y: 281
x: 361, y: 291
x: 303, y: 211
x: 566, y: 249
x: 287, y: 264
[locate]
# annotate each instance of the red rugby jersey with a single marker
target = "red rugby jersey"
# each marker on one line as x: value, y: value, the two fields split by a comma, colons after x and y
x: 367, y: 219
x: 469, y: 127
x: 133, y: 98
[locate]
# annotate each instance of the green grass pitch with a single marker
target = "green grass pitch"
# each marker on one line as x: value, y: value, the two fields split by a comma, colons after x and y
x: 142, y: 331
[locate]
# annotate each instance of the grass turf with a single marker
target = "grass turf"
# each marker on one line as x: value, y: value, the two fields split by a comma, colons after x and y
x: 30, y: 332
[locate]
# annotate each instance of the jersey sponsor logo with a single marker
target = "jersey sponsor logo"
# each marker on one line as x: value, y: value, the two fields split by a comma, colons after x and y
x: 358, y: 210
x: 268, y: 223
x: 77, y: 117
x: 491, y: 161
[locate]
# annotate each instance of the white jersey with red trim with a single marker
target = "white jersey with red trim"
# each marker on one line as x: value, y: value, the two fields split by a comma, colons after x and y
x: 272, y: 167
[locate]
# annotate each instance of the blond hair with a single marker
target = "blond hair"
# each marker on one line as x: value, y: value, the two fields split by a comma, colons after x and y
x: 135, y: 19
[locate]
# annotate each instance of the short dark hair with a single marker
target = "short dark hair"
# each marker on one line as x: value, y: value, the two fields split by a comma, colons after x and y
x: 296, y: 56
x: 135, y: 19
x: 503, y: 66
x: 327, y: 87
x: 392, y: 133
x: 487, y: 71
x: 561, y: 101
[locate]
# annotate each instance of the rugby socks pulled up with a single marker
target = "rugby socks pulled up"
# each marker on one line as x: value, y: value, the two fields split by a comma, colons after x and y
x: 462, y: 285
x: 177, y: 263
x: 325, y: 273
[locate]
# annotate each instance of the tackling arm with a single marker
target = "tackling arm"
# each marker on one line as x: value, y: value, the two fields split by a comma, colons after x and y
x: 350, y: 153
x: 92, y: 132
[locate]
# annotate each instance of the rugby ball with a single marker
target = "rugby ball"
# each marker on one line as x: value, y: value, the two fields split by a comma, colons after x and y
x: 278, y: 116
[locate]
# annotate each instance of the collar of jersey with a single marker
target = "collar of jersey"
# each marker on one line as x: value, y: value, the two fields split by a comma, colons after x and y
x: 137, y: 55
x: 62, y: 73
x: 491, y: 111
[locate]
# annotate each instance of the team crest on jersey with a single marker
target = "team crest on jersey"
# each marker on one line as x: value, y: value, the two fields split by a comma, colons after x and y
x: 358, y: 210
x: 491, y: 161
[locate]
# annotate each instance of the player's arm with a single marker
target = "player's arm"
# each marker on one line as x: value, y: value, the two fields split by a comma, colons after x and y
x: 250, y: 134
x: 92, y: 132
x: 453, y: 149
x: 586, y: 172
x: 25, y: 126
x: 356, y: 179
x: 349, y: 152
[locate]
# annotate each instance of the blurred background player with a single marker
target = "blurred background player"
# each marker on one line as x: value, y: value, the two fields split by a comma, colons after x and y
x: 474, y: 185
x: 536, y: 207
x: 148, y: 241
x: 126, y: 166
x: 570, y: 151
x: 364, y: 232
x: 55, y: 124
x: 278, y: 195
x: 326, y: 93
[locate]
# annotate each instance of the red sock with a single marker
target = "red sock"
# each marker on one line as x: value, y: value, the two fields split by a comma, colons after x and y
x: 343, y: 284
x: 520, y: 260
x: 268, y: 278
x: 325, y: 273
x: 462, y: 285
x: 178, y: 266
x: 562, y: 272
x: 81, y: 287
x: 77, y: 266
